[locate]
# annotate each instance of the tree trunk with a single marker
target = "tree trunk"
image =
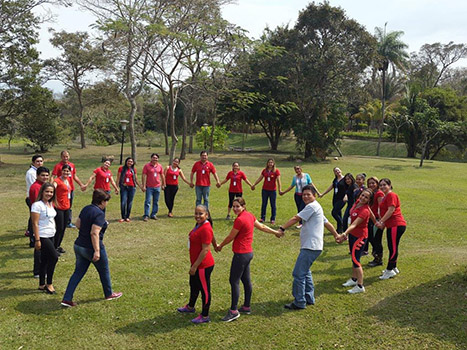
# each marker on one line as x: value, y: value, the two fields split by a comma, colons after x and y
x: 185, y: 127
x: 214, y: 117
x: 308, y: 149
x: 166, y: 131
x: 383, y: 107
x: 173, y: 136
x: 131, y: 126
x: 422, y: 157
x: 81, y: 120
x: 395, y: 142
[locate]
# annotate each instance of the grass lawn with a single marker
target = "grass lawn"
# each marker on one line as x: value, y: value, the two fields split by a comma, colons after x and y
x: 424, y: 307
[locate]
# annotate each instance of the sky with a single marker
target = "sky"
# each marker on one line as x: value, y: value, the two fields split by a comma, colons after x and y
x: 422, y: 21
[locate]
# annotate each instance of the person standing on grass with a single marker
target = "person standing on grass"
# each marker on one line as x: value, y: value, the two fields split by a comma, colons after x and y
x: 203, y: 168
x: 348, y: 198
x: 357, y: 233
x: 375, y: 234
x: 43, y: 225
x: 299, y: 181
x: 31, y: 175
x: 42, y: 176
x: 89, y: 248
x: 127, y: 181
x: 242, y: 237
x: 339, y: 188
x: 63, y: 194
x: 171, y: 173
x: 103, y: 178
x: 311, y: 246
x: 272, y: 177
x: 153, y: 180
x: 57, y: 172
x: 392, y: 219
x: 202, y: 264
x: 235, y: 189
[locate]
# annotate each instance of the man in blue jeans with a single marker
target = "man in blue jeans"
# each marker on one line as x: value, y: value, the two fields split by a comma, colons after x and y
x: 153, y: 181
x: 311, y: 246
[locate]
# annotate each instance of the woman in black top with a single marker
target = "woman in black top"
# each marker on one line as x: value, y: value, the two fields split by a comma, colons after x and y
x: 340, y: 187
x: 349, y: 198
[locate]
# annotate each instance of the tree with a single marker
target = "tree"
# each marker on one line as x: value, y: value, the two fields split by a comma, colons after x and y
x: 39, y: 118
x: 391, y: 51
x: 330, y: 54
x: 79, y: 58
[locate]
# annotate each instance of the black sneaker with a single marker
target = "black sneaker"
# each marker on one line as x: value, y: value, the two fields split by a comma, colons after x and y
x: 292, y: 306
x: 231, y: 316
x: 374, y: 263
x: 61, y: 250
x: 245, y: 310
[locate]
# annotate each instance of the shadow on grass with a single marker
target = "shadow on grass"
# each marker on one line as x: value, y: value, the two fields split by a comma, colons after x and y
x: 437, y: 307
x: 45, y: 307
x: 15, y: 275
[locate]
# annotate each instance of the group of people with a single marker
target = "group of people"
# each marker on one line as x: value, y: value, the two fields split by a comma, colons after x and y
x: 369, y: 210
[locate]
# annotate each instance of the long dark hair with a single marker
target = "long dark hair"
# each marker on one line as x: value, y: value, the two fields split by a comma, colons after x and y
x: 44, y: 186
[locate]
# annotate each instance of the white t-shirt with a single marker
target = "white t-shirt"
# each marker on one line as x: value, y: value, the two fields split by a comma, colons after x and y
x: 46, y: 219
x: 312, y: 232
x: 30, y: 178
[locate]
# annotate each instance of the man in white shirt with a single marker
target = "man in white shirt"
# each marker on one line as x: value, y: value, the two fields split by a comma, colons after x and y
x: 37, y: 161
x: 311, y: 246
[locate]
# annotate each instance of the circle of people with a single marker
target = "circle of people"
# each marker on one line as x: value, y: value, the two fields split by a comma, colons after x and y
x: 370, y: 209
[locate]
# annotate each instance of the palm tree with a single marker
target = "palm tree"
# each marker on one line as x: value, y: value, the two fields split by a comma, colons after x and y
x: 391, y: 51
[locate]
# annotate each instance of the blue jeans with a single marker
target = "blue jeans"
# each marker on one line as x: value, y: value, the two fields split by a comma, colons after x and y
x: 127, y: 193
x: 271, y: 195
x: 83, y: 260
x: 202, y: 192
x: 303, y: 289
x: 152, y: 193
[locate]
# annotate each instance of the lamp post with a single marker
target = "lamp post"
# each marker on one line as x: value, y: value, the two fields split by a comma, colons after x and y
x: 123, y: 124
x: 205, y: 135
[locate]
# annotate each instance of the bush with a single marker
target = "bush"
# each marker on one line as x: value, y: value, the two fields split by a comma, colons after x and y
x: 203, y: 137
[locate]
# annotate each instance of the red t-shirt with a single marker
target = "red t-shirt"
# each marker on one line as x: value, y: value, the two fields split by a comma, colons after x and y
x: 171, y: 177
x: 396, y: 219
x: 63, y: 194
x: 153, y: 174
x: 203, y: 172
x: 199, y: 236
x: 270, y: 179
x: 58, y: 172
x: 102, y: 179
x: 375, y: 205
x: 34, y: 190
x: 128, y: 179
x: 236, y: 181
x: 360, y: 212
x: 245, y: 224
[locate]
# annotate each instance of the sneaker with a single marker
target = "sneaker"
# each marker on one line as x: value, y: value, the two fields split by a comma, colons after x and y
x: 186, y: 309
x: 36, y: 276
x: 201, y: 319
x: 364, y: 253
x: 292, y: 306
x: 299, y: 226
x: 396, y: 270
x: 145, y: 218
x: 26, y: 233
x: 154, y: 217
x: 245, y: 310
x: 388, y: 274
x: 350, y: 283
x: 231, y: 316
x: 273, y: 222
x: 68, y: 303
x: 121, y: 220
x: 61, y: 250
x: 356, y: 290
x: 227, y: 217
x: 70, y: 225
x: 114, y: 296
x: 127, y: 220
x: 170, y: 215
x: 375, y: 263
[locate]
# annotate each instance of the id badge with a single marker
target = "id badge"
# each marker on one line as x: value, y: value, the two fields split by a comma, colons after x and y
x: 203, y: 172
x: 155, y: 174
x: 107, y: 179
x: 188, y: 244
x: 69, y: 195
x: 235, y: 183
x: 349, y: 221
x: 175, y: 177
x: 335, y: 190
x: 127, y: 179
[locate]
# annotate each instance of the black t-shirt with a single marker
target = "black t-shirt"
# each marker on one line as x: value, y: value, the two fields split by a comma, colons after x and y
x: 90, y: 215
x: 340, y: 188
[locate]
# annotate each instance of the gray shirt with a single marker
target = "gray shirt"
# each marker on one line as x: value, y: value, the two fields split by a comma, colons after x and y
x: 312, y: 232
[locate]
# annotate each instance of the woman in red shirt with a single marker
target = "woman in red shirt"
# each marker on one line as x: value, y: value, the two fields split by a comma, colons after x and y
x: 127, y: 181
x: 103, y: 177
x: 202, y: 264
x: 357, y: 233
x: 391, y: 217
x: 242, y: 237
x: 235, y: 189
x: 63, y: 193
x: 271, y: 176
x: 375, y: 234
x: 172, y: 172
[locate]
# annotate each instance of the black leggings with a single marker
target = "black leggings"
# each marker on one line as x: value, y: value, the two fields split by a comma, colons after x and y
x: 375, y: 238
x: 61, y: 222
x: 394, y: 235
x: 232, y: 196
x: 201, y: 282
x: 169, y: 196
x: 49, y: 258
x: 336, y: 212
x: 240, y: 270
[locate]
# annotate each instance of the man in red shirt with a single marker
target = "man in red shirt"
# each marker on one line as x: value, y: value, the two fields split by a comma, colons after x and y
x: 153, y: 180
x: 203, y: 168
x: 57, y: 172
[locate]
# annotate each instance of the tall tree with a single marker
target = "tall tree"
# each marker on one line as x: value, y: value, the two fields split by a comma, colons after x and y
x: 391, y: 51
x: 78, y: 58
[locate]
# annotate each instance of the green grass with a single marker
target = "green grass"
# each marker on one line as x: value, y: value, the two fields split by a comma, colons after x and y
x: 422, y: 308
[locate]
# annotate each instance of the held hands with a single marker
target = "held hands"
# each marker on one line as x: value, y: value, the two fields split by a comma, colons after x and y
x: 218, y: 185
x: 217, y: 248
x: 341, y: 238
x: 380, y: 225
x: 252, y: 187
x: 192, y: 185
x: 281, y: 193
x: 83, y: 188
x: 192, y: 271
x: 279, y: 234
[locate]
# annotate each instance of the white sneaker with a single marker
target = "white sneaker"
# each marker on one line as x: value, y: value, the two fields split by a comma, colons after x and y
x: 388, y: 274
x: 350, y: 283
x: 396, y: 270
x: 356, y: 290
